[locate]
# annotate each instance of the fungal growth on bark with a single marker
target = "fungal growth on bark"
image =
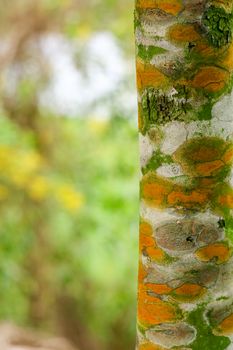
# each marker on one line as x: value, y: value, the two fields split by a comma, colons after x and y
x: 184, y: 62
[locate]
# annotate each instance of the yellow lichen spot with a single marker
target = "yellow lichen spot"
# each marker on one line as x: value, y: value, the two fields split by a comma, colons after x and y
x: 226, y: 327
x: 188, y: 292
x: 182, y: 33
x: 38, y: 188
x: 172, y: 7
x: 150, y: 346
x: 148, y: 75
x: 208, y: 168
x: 156, y: 254
x: 211, y: 79
x: 217, y: 251
x: 69, y: 198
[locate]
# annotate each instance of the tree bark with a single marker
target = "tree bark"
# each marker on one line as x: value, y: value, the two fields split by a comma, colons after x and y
x: 184, y: 76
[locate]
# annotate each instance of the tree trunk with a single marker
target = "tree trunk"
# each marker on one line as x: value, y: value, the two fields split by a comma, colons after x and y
x: 184, y: 78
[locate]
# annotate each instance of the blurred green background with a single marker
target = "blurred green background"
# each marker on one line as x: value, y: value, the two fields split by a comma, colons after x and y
x: 69, y: 170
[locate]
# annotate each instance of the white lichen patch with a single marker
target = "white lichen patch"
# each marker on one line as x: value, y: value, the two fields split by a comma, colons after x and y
x: 170, y: 335
x: 213, y: 127
x: 153, y: 28
x: 156, y: 217
x: 141, y: 39
x: 146, y: 149
x: 223, y: 109
x: 231, y: 178
x: 224, y: 284
x: 168, y: 57
x: 175, y: 134
x: 199, y: 128
x: 207, y: 216
x: 170, y: 170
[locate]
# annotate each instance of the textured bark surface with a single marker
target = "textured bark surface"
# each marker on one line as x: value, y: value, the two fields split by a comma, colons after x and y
x: 185, y: 101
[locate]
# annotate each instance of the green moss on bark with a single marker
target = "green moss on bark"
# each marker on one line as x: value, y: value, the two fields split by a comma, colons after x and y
x: 148, y: 52
x: 205, y: 339
x: 219, y: 26
x: 159, y: 108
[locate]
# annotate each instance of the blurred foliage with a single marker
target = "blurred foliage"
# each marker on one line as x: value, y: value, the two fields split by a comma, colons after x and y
x: 68, y: 186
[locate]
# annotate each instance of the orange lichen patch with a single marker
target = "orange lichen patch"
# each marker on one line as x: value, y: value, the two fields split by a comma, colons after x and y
x: 145, y: 229
x: 145, y: 241
x: 208, y: 168
x: 226, y: 327
x: 212, y: 79
x: 150, y: 346
x: 188, y: 291
x: 148, y: 75
x: 183, y: 33
x: 203, y: 153
x: 156, y: 311
x: 226, y: 200
x: 156, y: 254
x: 207, y: 182
x: 156, y: 193
x: 145, y: 238
x: 198, y: 150
x: 158, y: 288
x: 219, y: 251
x: 227, y: 60
x: 204, y: 156
x: 141, y: 273
x: 155, y: 190
x: 172, y: 7
x: 192, y: 199
x: 203, y: 49
x: 228, y: 156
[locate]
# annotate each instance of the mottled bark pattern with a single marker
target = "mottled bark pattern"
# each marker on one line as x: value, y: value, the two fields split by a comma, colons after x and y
x: 185, y: 101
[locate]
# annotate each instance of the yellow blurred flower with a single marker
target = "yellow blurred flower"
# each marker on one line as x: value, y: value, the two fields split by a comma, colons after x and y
x: 6, y: 154
x: 38, y: 188
x: 30, y: 162
x: 84, y: 31
x: 98, y: 126
x: 19, y: 178
x: 70, y: 198
x: 17, y: 165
